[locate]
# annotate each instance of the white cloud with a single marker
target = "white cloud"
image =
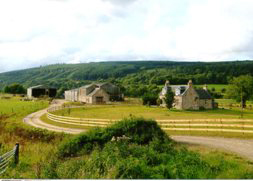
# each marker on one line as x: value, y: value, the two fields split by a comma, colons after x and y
x: 35, y: 32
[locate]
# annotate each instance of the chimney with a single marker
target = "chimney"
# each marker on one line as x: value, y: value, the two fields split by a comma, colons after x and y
x: 167, y: 83
x: 190, y: 83
x: 205, y: 87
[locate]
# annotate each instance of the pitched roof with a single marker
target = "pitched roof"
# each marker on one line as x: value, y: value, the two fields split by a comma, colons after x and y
x: 95, y: 91
x: 173, y: 88
x: 203, y: 94
x: 101, y: 84
x: 86, y: 86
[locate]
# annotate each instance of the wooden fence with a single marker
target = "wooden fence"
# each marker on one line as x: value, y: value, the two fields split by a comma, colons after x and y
x: 6, y: 158
x: 212, y: 125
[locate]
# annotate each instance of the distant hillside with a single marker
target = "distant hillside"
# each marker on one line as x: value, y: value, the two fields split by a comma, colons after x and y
x: 128, y: 72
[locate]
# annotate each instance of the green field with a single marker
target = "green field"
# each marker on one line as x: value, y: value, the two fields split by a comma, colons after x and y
x: 157, y: 113
x: 14, y: 105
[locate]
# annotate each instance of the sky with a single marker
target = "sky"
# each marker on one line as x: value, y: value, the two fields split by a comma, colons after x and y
x: 42, y: 32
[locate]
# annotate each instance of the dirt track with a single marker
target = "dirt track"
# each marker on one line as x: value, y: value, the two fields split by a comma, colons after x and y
x: 243, y: 148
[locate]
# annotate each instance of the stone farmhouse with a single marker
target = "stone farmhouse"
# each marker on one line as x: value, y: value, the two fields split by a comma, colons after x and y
x: 41, y: 90
x: 187, y: 97
x: 94, y: 93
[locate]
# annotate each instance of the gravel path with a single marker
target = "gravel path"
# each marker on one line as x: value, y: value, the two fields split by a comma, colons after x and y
x: 243, y: 148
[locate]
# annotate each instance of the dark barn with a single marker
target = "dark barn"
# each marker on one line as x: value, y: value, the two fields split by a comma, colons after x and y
x: 40, y: 90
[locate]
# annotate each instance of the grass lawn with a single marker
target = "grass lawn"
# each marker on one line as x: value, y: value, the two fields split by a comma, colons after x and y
x: 157, y: 113
x: 15, y: 106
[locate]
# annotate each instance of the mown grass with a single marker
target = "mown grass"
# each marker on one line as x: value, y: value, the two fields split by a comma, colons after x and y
x: 158, y: 113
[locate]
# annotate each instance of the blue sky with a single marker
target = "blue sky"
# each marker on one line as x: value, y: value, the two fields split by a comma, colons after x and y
x: 40, y: 32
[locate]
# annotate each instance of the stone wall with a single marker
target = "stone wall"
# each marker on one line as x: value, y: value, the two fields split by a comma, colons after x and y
x: 206, y: 103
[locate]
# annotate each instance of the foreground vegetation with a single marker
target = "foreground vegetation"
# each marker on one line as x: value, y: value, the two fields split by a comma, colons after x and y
x: 146, y: 153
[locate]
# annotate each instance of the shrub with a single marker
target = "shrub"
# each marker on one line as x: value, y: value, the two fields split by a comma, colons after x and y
x: 138, y: 129
x: 149, y: 99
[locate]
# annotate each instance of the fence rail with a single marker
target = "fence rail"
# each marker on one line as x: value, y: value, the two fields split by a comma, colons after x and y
x: 218, y: 125
x: 6, y: 158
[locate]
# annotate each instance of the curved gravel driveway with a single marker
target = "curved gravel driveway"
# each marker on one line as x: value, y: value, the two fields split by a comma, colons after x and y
x: 34, y: 120
x: 243, y: 148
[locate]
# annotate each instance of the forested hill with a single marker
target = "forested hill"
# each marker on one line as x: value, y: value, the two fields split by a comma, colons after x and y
x: 128, y: 72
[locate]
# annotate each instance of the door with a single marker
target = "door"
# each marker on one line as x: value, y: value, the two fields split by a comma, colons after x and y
x: 99, y: 100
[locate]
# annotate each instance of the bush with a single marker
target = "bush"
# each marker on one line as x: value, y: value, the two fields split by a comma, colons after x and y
x: 149, y: 99
x: 139, y: 130
x: 149, y: 154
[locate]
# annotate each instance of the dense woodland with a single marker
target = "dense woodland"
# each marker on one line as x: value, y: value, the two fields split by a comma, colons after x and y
x: 134, y: 77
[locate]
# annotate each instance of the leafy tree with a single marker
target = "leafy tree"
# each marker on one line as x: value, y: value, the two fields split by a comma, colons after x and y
x: 169, y: 98
x: 15, y: 89
x: 149, y: 99
x: 223, y: 90
x: 241, y: 89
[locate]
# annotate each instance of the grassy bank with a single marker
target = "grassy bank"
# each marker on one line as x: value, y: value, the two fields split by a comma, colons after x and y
x: 36, y: 145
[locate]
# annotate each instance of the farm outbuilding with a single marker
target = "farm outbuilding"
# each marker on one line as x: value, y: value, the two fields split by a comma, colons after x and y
x: 72, y: 95
x: 41, y: 90
x: 94, y: 93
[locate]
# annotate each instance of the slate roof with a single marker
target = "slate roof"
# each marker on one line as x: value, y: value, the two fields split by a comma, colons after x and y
x: 173, y: 88
x: 203, y: 94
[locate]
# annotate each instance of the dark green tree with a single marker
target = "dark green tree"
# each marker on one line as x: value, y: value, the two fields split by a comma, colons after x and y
x: 241, y: 89
x: 15, y: 88
x: 149, y: 99
x: 169, y: 98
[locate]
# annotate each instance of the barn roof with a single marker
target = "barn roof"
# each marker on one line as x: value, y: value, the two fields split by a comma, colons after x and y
x: 86, y: 86
x: 41, y: 87
x: 95, y: 91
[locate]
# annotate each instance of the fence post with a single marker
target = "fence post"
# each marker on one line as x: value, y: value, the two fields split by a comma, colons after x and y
x: 16, y: 157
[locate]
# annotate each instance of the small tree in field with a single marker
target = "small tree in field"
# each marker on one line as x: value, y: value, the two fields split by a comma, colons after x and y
x: 169, y: 98
x: 241, y: 89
